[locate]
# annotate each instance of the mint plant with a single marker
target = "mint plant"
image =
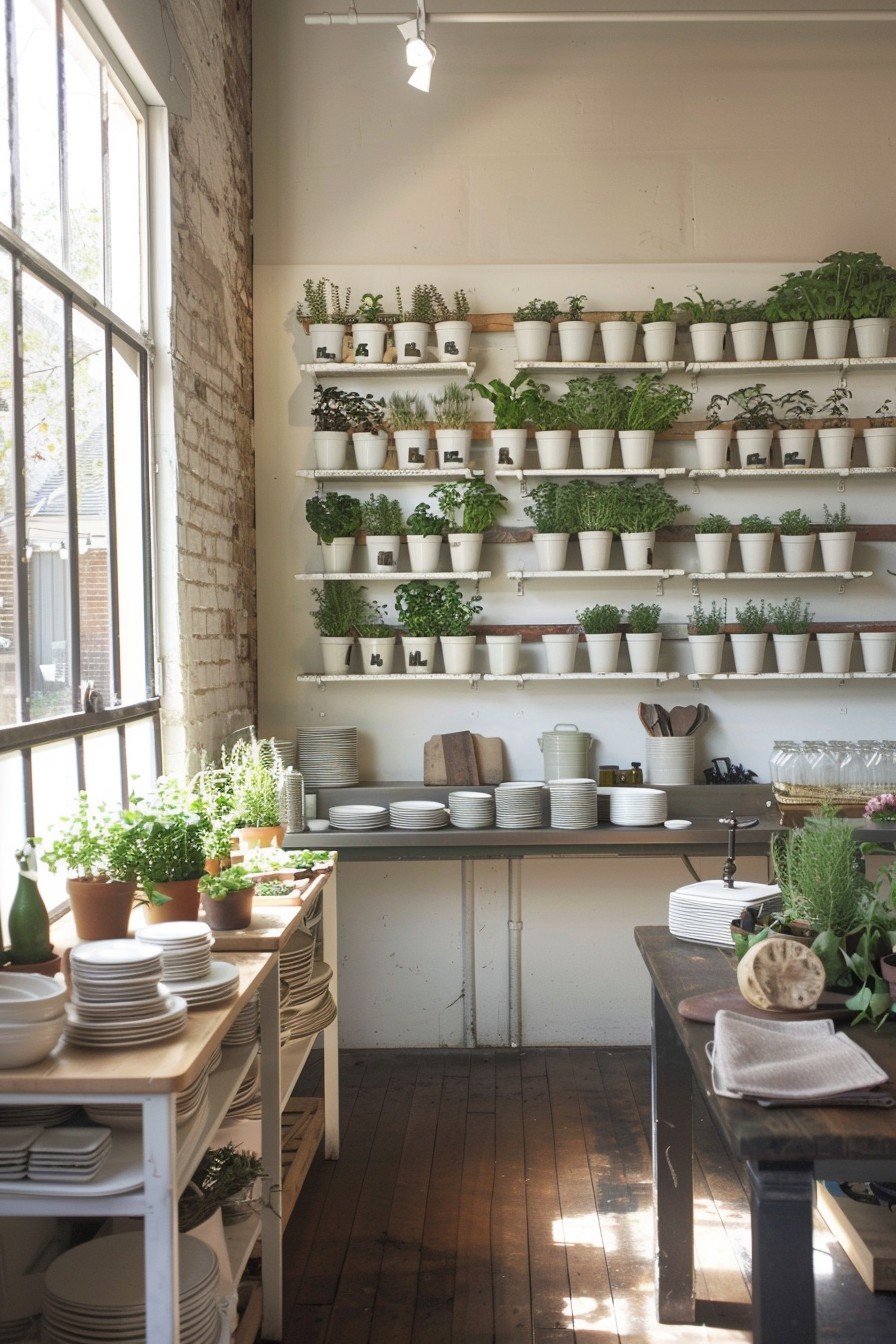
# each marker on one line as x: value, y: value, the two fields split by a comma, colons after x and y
x: 600, y: 619
x: 794, y: 523
x: 333, y: 516
x: 644, y: 618
x: 712, y: 523
x: 537, y: 310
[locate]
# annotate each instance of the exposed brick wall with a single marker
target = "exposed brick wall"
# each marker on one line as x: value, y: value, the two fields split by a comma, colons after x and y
x: 212, y: 341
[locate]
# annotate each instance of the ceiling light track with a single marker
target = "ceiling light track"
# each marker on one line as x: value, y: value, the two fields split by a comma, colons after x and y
x: 353, y: 18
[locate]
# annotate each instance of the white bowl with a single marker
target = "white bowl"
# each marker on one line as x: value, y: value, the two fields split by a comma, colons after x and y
x: 318, y: 824
x: 29, y: 998
x: 26, y: 1043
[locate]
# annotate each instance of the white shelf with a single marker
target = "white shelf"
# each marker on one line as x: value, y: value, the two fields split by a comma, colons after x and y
x: 794, y: 676
x: 240, y: 1239
x: 320, y: 677
x: 400, y: 576
x: 522, y: 473
x: 595, y: 574
x: 522, y: 677
x: 602, y: 366
x: 720, y: 472
x: 743, y: 576
x: 330, y: 369
x: 746, y: 365
x: 293, y: 1058
x: 387, y: 474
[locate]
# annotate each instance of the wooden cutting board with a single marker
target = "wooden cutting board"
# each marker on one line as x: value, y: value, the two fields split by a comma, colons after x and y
x: 463, y: 759
x: 703, y: 1007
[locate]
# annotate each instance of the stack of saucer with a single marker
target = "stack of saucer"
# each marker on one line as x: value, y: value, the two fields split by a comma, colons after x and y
x: 311, y: 1008
x: 518, y: 806
x: 638, y: 807
x: 296, y: 961
x: 359, y: 817
x: 471, y: 811
x: 74, y: 1154
x: 185, y: 946
x: 246, y: 1105
x: 327, y: 757
x: 45, y: 1116
x: 219, y: 985
x: 116, y: 997
x: 245, y: 1027
x: 573, y: 804
x: 418, y: 816
x: 130, y: 1115
x: 14, y: 1145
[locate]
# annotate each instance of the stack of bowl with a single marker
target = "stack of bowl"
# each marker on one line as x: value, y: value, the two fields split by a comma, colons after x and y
x: 32, y: 1017
x: 638, y: 807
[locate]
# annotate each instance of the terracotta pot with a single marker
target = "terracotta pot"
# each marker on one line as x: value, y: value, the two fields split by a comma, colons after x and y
x: 233, y: 912
x: 259, y: 837
x: 213, y: 867
x: 36, y: 968
x: 183, y: 902
x: 100, y: 909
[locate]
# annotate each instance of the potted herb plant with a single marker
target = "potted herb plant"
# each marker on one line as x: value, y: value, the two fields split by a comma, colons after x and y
x: 341, y: 608
x: 369, y: 437
x: 788, y: 314
x: 618, y: 339
x: 532, y: 329
x: 471, y: 508
x: 880, y: 437
x: 594, y: 519
x: 713, y: 537
x: 453, y: 414
x: 873, y: 305
x: 455, y: 626
x: 707, y: 328
x: 327, y: 317
x: 837, y: 541
x: 828, y: 295
x: 255, y: 775
x: 408, y: 419
x: 797, y: 541
x: 410, y: 329
x: 227, y: 898
x: 552, y: 433
x: 336, y: 414
x: 418, y: 605
x: 640, y: 512
x: 576, y: 335
x: 707, y: 638
x: 424, y: 536
x: 749, y: 642
x: 377, y: 641
x: 96, y: 847
x: 754, y: 424
x: 453, y: 327
x: 756, y: 537
x: 749, y: 328
x: 796, y: 439
x: 551, y: 509
x: 836, y: 433
x: 714, y: 439
x: 511, y: 403
x: 335, y: 519
x: 643, y: 637
x: 649, y: 406
x: 381, y: 519
x: 167, y: 832
x: 369, y: 330
x: 595, y: 407
x: 791, y: 634
x: 224, y: 1179
x: 602, y: 626
x: 660, y: 329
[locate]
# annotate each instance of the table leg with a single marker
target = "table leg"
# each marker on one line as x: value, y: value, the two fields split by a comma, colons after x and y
x: 331, y: 1033
x: 783, y: 1283
x: 271, y: 1229
x: 673, y: 1175
x: 160, y: 1221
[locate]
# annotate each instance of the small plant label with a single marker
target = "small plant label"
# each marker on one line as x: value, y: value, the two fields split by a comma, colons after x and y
x: 504, y: 458
x: 416, y: 456
x: 362, y: 350
x: 756, y: 460
x: 384, y: 558
x: 794, y: 460
x: 412, y: 350
x: 376, y: 660
x: 323, y: 353
x: 450, y: 348
x: 417, y: 660
x: 451, y: 456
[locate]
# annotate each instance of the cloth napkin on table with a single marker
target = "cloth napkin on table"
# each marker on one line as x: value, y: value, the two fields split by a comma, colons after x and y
x: 788, y: 1062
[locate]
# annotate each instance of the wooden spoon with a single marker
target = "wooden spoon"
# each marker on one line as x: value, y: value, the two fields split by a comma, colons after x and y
x: 702, y: 716
x: 647, y: 715
x: 665, y: 723
x: 684, y: 719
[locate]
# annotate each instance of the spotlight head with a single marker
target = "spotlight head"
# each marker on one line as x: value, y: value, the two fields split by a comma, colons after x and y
x: 419, y: 52
x: 422, y: 75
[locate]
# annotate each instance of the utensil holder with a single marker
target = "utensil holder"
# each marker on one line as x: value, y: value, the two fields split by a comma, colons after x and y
x: 669, y: 760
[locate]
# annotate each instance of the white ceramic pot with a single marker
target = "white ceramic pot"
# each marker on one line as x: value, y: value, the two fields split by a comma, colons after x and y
x: 503, y: 654
x: 754, y: 447
x: 369, y: 341
x: 749, y: 339
x: 637, y: 447
x: 637, y: 549
x: 576, y: 339
x: 509, y: 447
x: 713, y: 550
x: 457, y: 653
x: 465, y: 549
x: 560, y: 652
x: 377, y: 655
x: 597, y: 448
x: 831, y: 335
x: 644, y: 650
x: 532, y: 340
x: 330, y: 449
x: 659, y: 341
x: 337, y: 555
x: 836, y: 551
x: 453, y: 447
x: 712, y: 448
x: 618, y: 339
x: 880, y: 446
x: 796, y: 445
x: 410, y: 341
x: 797, y: 553
x: 595, y: 549
x: 326, y: 342
x: 550, y: 549
x: 410, y: 448
x: 706, y: 651
x: 790, y: 652
x: 878, y: 648
x: 749, y: 653
x: 836, y: 446
x: 424, y: 553
x: 603, y: 651
x: 553, y: 448
x: 872, y: 336
x: 336, y: 654
x: 453, y: 341
x: 756, y: 551
x: 383, y: 554
x: 708, y: 340
x: 835, y: 650
x: 370, y: 451
x: 419, y: 654
x: 669, y: 760
x: 790, y: 339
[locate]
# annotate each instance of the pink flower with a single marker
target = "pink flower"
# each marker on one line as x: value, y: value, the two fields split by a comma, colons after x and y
x: 883, y: 803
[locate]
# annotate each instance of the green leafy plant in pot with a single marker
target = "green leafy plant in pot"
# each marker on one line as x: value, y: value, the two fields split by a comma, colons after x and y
x: 227, y: 898
x: 551, y: 508
x: 256, y: 778
x: 408, y: 423
x: 660, y: 329
x: 707, y: 325
x: 594, y: 519
x: 713, y: 537
x: 418, y: 605
x: 602, y: 627
x: 640, y: 512
x: 649, y: 406
x: 471, y: 508
x: 453, y: 412
x: 341, y: 608
x: 643, y: 636
x: 168, y: 833
x: 511, y: 402
x: 749, y: 641
x: 532, y: 328
x: 335, y: 519
x: 97, y: 848
x: 327, y: 316
x: 707, y: 638
x: 756, y: 537
x: 225, y: 1177
x: 791, y: 621
x: 383, y: 521
x: 575, y: 331
x: 553, y: 436
x: 456, y: 618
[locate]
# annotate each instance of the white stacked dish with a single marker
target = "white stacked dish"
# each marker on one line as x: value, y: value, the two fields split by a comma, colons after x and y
x: 117, y: 999
x: 471, y: 811
x: 702, y: 911
x: 296, y: 963
x: 638, y: 807
x: 327, y: 756
x: 244, y: 1029
x: 312, y: 1008
x: 45, y: 1116
x: 518, y: 805
x: 219, y: 985
x: 14, y: 1144
x: 32, y: 1018
x: 286, y: 750
x: 359, y: 817
x: 246, y: 1104
x: 185, y: 946
x: 573, y: 804
x: 418, y: 816
x: 72, y: 1154
x: 96, y: 1292
x: 130, y: 1116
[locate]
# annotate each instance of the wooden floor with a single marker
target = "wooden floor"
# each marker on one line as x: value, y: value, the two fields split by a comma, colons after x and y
x: 506, y: 1196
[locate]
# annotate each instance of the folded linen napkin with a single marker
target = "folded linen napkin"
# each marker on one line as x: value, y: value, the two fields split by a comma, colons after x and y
x: 787, y: 1061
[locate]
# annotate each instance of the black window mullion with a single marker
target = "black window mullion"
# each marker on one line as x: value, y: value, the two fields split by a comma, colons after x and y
x: 28, y: 791
x: 107, y: 190
x: 15, y: 193
x: 62, y: 119
x: 123, y: 763
x: 112, y: 522
x: 23, y: 641
x: 71, y: 472
x: 80, y: 772
x: 147, y: 526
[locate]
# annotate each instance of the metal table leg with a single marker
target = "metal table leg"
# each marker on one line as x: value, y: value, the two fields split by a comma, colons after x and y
x: 331, y: 1033
x: 783, y: 1283
x: 160, y: 1220
x: 271, y: 1229
x: 673, y: 1175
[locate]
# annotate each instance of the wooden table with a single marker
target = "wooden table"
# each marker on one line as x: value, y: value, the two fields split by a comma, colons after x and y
x: 785, y: 1150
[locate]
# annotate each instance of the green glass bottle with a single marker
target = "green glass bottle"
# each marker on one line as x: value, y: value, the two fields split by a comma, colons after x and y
x: 29, y: 923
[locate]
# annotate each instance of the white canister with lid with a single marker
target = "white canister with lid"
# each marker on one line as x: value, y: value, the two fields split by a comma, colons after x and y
x: 566, y: 752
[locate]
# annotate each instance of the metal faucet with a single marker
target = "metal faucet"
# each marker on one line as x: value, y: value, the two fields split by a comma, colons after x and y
x: 734, y: 824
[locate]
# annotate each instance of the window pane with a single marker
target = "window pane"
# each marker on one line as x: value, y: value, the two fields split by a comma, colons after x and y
x: 10, y: 709
x: 143, y: 766
x: 12, y: 827
x: 38, y: 122
x: 128, y: 512
x: 84, y: 148
x: 46, y: 522
x: 55, y: 783
x: 102, y: 768
x: 125, y: 292
x: 93, y: 526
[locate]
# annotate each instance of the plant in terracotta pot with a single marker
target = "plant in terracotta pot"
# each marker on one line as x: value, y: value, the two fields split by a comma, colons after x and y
x: 168, y: 833
x: 227, y: 898
x: 99, y: 851
x: 255, y: 776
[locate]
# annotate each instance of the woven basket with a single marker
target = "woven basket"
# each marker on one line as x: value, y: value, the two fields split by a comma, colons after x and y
x: 797, y: 801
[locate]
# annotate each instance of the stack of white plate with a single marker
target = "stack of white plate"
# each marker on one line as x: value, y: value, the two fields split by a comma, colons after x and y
x: 246, y: 1105
x: 471, y: 811
x: 573, y: 804
x: 219, y: 985
x: 72, y: 1154
x: 130, y: 1116
x: 702, y: 912
x: 296, y: 962
x: 185, y: 946
x: 32, y: 1017
x: 286, y: 750
x: 518, y: 806
x: 311, y: 1008
x: 327, y: 756
x: 45, y: 1116
x: 418, y: 816
x: 359, y: 817
x: 638, y: 807
x: 245, y: 1026
x: 214, y: 1059
x: 97, y: 1292
x: 117, y: 1000
x: 14, y: 1144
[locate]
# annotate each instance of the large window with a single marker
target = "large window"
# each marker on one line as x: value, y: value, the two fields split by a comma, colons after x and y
x: 77, y: 694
